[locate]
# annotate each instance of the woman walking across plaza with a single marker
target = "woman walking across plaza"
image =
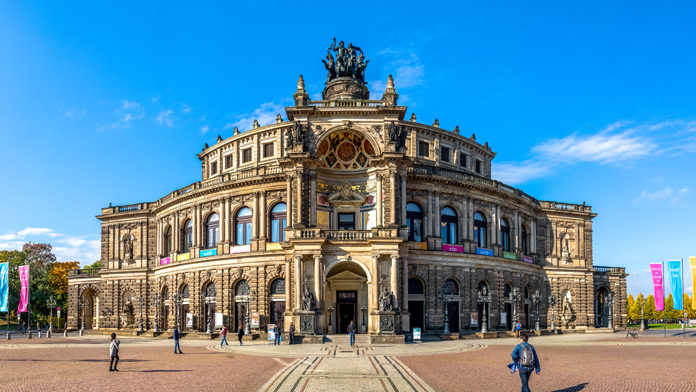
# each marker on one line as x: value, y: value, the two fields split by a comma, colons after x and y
x: 240, y: 334
x: 113, y: 351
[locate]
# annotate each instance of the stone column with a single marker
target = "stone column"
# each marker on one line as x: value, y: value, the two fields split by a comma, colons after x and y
x: 403, y: 199
x: 317, y: 279
x: 470, y: 223
x: 429, y: 215
x: 404, y: 265
x: 375, y: 282
x: 494, y: 226
x: 380, y: 201
x: 175, y: 233
x: 289, y: 201
x: 262, y: 215
x: 300, y: 207
x: 517, y: 231
x: 533, y: 244
x: 392, y: 275
x: 436, y: 216
x: 228, y: 230
x: 465, y: 220
x: 298, y: 281
x: 313, y: 196
x: 159, y: 238
x: 255, y: 217
x: 223, y: 218
x: 392, y: 198
x: 288, y: 285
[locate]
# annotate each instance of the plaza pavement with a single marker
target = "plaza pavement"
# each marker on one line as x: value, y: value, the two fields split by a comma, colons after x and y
x: 579, y: 362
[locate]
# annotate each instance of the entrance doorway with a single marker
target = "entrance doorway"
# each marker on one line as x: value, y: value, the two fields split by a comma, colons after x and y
x: 453, y: 316
x: 508, y: 316
x: 346, y: 302
x: 416, y: 309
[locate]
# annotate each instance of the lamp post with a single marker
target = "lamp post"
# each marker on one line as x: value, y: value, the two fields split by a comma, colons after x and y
x: 363, y: 309
x: 484, y: 298
x: 155, y: 304
x: 641, y: 303
x: 51, y: 302
x: 140, y: 323
x: 611, y: 310
x: 516, y: 298
x: 177, y: 311
x: 330, y: 309
x: 536, y: 298
x: 446, y: 298
x: 552, y: 305
x: 252, y: 298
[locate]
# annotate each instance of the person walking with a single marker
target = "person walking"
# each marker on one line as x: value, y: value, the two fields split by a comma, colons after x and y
x: 351, y: 332
x: 291, y: 332
x: 176, y: 340
x: 38, y: 327
x: 518, y: 328
x: 224, y: 336
x: 278, y: 334
x: 240, y: 334
x: 525, y: 357
x: 113, y: 351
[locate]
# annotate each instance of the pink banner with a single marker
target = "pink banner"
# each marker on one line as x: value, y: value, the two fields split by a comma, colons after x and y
x: 452, y: 248
x: 656, y: 270
x: 24, y: 292
x: 165, y: 260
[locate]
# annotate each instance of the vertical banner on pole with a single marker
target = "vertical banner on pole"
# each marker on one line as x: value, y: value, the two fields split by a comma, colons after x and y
x: 24, y: 292
x: 656, y: 270
x: 675, y: 283
x: 4, y: 286
x: 692, y: 266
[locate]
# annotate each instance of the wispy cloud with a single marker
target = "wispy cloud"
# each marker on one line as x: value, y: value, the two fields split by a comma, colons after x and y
x: 671, y: 194
x: 127, y: 112
x: 72, y: 112
x: 185, y: 108
x: 84, y: 249
x: 619, y: 143
x: 265, y: 114
x: 165, y: 118
x: 406, y: 68
x: 205, y: 128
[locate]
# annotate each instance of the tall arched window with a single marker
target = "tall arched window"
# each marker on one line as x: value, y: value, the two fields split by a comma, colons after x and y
x: 167, y: 241
x: 505, y: 234
x: 278, y: 286
x: 415, y: 286
x: 210, y: 290
x: 212, y: 231
x: 480, y: 230
x: 414, y: 221
x: 279, y: 216
x: 451, y: 287
x: 448, y: 221
x: 526, y: 292
x: 241, y: 288
x: 524, y: 240
x: 508, y: 290
x: 243, y: 225
x: 187, y: 236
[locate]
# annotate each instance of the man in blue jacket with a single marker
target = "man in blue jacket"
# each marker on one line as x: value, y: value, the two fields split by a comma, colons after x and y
x: 176, y: 340
x: 525, y: 356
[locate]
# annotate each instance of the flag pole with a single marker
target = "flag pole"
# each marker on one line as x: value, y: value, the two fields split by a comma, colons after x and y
x: 664, y: 305
x: 682, y: 298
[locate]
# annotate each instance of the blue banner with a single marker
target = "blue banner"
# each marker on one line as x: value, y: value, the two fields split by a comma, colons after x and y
x: 675, y: 283
x: 484, y: 251
x: 208, y: 252
x: 4, y: 286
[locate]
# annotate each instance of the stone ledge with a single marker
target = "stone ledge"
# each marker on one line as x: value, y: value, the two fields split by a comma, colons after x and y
x: 387, y: 339
x: 487, y: 335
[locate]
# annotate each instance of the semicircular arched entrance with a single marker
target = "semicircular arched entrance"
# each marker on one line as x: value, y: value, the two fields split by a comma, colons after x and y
x: 347, y: 293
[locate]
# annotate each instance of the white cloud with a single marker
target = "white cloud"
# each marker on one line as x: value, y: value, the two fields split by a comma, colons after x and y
x: 227, y: 126
x: 165, y: 118
x: 669, y: 193
x: 155, y: 99
x: 185, y: 108
x: 128, y: 112
x: 29, y: 231
x: 265, y: 114
x: 514, y: 173
x: 601, y: 148
x: 406, y: 68
x: 205, y: 128
x: 66, y: 248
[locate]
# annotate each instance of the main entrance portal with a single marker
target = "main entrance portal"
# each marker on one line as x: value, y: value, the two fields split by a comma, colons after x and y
x: 346, y: 292
x: 346, y: 302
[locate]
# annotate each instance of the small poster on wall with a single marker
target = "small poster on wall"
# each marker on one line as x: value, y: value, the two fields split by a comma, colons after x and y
x: 255, y: 320
x: 416, y: 334
x: 474, y: 319
x: 503, y: 319
x: 189, y: 320
x: 218, y: 320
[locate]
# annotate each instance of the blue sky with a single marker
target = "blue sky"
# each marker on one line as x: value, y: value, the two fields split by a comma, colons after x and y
x: 581, y: 101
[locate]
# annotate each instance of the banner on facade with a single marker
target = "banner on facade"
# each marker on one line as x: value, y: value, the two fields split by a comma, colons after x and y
x: 4, y: 286
x: 484, y: 251
x: 675, y: 283
x: 218, y: 319
x: 528, y: 259
x: 692, y: 264
x: 165, y: 260
x: 24, y: 291
x: 656, y: 271
x: 510, y: 255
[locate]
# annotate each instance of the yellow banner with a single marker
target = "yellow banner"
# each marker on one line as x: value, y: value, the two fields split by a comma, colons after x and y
x: 692, y: 263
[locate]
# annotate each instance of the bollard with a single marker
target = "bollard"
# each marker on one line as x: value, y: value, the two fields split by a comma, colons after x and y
x: 82, y: 331
x: 29, y: 335
x: 65, y: 333
x: 48, y: 334
x: 39, y: 334
x: 9, y: 335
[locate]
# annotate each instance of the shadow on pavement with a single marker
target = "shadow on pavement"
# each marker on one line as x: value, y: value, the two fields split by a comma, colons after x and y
x: 576, y: 388
x: 70, y: 360
x: 156, y: 371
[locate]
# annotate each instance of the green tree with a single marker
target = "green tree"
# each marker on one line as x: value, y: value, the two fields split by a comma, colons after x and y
x: 650, y: 312
x: 96, y: 264
x: 630, y: 305
x: 636, y: 307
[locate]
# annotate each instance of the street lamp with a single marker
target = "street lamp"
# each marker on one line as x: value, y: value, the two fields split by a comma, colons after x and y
x: 447, y: 298
x: 484, y: 298
x: 363, y: 309
x: 51, y: 302
x: 252, y: 298
x: 516, y: 298
x: 641, y: 303
x: 330, y: 309
x: 140, y: 323
x: 552, y: 305
x: 178, y: 300
x: 155, y: 304
x: 536, y: 298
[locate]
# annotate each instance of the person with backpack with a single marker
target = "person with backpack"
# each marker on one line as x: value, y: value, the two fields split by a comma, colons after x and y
x: 525, y: 357
x: 113, y: 351
x: 224, y: 336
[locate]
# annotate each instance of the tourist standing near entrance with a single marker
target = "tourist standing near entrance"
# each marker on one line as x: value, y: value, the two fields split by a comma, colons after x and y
x: 525, y: 356
x: 113, y: 351
x: 518, y: 327
x: 351, y: 331
x: 291, y: 332
x: 278, y: 335
x: 224, y: 336
x: 240, y: 334
x: 176, y: 340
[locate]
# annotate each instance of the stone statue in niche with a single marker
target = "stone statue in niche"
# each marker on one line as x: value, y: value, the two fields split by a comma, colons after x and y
x: 386, y: 301
x: 128, y: 247
x: 567, y: 314
x: 308, y: 300
x: 565, y: 249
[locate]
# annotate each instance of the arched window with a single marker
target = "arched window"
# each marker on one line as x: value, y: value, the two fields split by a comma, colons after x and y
x: 448, y: 221
x: 210, y: 290
x: 524, y: 240
x: 279, y: 220
x: 167, y: 241
x: 451, y: 287
x: 505, y: 234
x: 241, y: 288
x: 243, y: 225
x: 278, y: 287
x: 482, y: 288
x: 414, y: 221
x: 415, y: 286
x: 187, y: 236
x: 212, y: 231
x: 184, y: 292
x: 508, y: 290
x: 480, y: 230
x: 526, y: 292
